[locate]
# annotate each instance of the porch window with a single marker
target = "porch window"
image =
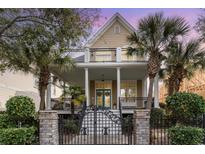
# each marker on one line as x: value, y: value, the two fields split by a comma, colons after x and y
x: 128, y: 88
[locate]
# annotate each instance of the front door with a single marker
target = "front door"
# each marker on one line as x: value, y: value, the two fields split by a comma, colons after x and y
x: 103, y: 98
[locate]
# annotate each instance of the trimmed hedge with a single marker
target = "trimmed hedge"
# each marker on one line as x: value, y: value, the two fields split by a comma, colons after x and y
x: 18, y: 136
x: 5, y: 121
x: 71, y: 126
x: 156, y: 114
x: 185, y: 105
x: 20, y: 108
x: 182, y: 135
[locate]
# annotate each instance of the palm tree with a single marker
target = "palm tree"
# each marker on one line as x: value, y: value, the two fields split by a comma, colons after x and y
x: 182, y: 61
x: 154, y: 35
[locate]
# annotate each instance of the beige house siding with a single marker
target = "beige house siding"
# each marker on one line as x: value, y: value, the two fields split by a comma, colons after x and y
x: 5, y: 94
x: 19, y: 83
x: 12, y: 84
x: 112, y: 40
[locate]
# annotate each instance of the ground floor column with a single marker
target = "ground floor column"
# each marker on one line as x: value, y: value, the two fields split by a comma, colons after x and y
x: 87, y: 87
x: 48, y: 95
x: 118, y: 86
x: 156, y: 92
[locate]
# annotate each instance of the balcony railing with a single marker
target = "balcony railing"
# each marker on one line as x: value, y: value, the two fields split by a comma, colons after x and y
x: 128, y: 58
x: 111, y: 55
x: 130, y: 103
x: 104, y: 55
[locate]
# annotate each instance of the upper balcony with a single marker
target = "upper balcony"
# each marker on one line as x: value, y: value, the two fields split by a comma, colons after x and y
x: 105, y: 55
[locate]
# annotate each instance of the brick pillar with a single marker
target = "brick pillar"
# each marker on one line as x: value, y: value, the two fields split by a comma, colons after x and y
x: 48, y: 127
x: 141, y: 126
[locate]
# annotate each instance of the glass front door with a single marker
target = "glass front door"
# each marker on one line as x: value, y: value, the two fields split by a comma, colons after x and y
x: 103, y: 98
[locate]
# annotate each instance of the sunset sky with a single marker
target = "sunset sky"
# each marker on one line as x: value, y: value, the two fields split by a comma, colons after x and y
x: 133, y: 15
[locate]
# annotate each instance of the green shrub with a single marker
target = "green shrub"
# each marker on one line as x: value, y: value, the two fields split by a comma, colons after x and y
x: 18, y: 136
x: 127, y: 126
x: 5, y: 121
x: 185, y: 105
x: 20, y: 108
x: 156, y: 114
x: 181, y: 135
x: 2, y: 112
x: 71, y: 126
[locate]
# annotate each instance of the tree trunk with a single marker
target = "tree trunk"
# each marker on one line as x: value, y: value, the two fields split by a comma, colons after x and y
x: 153, y: 68
x: 42, y: 91
x: 171, y: 87
x: 150, y: 92
x: 43, y: 83
x: 177, y: 85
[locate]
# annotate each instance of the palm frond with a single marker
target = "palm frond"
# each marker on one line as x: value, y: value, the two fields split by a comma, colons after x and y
x: 135, y: 51
x: 63, y: 63
x: 177, y: 26
x: 185, y: 58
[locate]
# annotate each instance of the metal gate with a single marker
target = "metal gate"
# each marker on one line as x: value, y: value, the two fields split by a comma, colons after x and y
x: 95, y: 125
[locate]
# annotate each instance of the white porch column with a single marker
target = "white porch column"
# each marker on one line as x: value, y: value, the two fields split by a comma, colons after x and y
x: 118, y: 86
x: 118, y: 54
x: 156, y: 92
x: 87, y: 87
x: 87, y: 55
x: 48, y: 97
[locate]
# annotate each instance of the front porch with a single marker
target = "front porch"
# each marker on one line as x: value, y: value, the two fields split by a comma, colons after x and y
x: 111, y: 87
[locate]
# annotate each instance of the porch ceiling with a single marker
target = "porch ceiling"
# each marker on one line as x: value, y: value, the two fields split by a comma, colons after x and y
x: 77, y: 76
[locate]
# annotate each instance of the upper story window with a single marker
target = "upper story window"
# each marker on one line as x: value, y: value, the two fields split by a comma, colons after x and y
x: 117, y: 29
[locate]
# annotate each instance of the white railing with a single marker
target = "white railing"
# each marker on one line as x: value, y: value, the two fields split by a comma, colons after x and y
x: 104, y: 55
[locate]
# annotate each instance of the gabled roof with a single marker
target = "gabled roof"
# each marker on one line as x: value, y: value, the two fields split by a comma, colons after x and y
x: 107, y: 25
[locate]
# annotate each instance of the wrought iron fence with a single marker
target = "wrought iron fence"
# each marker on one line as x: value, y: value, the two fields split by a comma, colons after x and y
x: 95, y: 126
x: 159, y: 128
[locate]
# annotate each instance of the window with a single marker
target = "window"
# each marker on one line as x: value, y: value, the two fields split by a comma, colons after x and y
x: 128, y: 88
x: 117, y: 29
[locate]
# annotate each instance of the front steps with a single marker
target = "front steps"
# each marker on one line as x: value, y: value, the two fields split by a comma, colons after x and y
x: 107, y: 122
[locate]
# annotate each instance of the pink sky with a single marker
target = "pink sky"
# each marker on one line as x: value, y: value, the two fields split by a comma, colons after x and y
x: 133, y: 15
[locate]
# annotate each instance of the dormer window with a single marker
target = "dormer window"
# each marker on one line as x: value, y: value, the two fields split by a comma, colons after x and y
x: 117, y: 29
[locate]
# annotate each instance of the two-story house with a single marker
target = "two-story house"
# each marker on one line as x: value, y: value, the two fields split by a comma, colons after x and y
x: 108, y: 75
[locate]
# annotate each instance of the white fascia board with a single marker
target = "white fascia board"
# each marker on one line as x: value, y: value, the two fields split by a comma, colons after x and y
x: 111, y: 64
